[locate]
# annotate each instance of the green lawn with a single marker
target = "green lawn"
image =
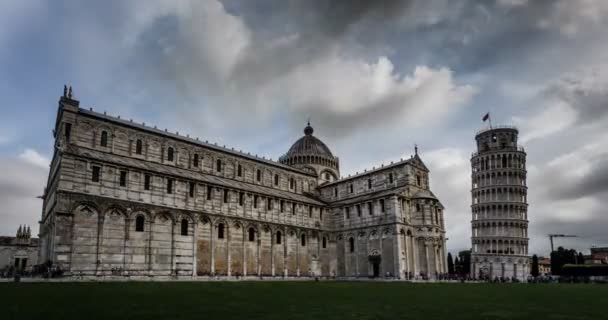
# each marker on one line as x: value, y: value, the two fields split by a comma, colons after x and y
x: 300, y: 300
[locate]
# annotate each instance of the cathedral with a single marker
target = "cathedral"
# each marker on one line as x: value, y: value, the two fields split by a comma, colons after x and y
x: 128, y: 200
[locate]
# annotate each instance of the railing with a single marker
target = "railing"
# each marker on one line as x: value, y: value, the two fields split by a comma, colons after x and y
x: 517, y: 148
x: 496, y: 127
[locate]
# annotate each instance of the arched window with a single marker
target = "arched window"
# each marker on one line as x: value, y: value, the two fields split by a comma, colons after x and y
x: 239, y: 171
x: 390, y: 178
x: 184, y: 227
x: 258, y: 175
x: 324, y: 242
x: 139, y: 223
x: 291, y: 183
x: 369, y: 183
x: 170, y: 154
x: 351, y: 244
x: 139, y: 146
x: 276, y: 179
x: 303, y: 239
x: 104, y: 139
x: 195, y: 161
x: 251, y: 234
x: 278, y: 237
x: 220, y: 231
x: 218, y: 165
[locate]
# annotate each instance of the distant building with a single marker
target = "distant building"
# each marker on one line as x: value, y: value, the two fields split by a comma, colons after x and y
x: 19, y: 252
x: 544, y: 266
x: 499, y: 206
x: 597, y: 256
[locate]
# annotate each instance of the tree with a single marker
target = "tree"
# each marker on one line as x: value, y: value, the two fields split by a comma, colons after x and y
x: 560, y: 257
x: 581, y: 258
x: 465, y: 261
x: 534, y: 270
x: 450, y: 264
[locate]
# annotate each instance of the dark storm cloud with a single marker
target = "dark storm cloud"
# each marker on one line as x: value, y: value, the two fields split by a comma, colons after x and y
x: 586, y: 92
x: 590, y: 229
x: 329, y: 18
x: 593, y: 183
x: 334, y: 18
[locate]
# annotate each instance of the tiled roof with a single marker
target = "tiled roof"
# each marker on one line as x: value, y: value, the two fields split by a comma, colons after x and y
x: 188, y: 174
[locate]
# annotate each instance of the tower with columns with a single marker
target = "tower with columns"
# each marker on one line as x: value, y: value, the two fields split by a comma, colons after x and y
x: 499, y: 206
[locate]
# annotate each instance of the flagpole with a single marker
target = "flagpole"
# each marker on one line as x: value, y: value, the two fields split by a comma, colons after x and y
x: 490, y: 119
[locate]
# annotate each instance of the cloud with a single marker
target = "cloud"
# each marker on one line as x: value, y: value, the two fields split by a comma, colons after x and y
x: 21, y: 182
x: 576, y: 98
x: 570, y: 17
x: 32, y: 157
x: 214, y: 56
x: 451, y: 182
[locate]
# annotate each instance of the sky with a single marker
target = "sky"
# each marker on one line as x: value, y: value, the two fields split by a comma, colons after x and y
x: 374, y: 77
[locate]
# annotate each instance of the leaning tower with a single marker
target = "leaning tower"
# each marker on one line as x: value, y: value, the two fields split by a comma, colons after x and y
x: 499, y: 208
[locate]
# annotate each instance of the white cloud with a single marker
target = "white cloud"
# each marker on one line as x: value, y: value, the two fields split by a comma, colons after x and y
x: 21, y: 183
x: 32, y: 157
x: 554, y: 118
x: 573, y: 17
x: 512, y: 3
x: 451, y: 182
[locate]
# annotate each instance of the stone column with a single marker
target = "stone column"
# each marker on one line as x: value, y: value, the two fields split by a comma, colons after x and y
x: 406, y: 243
x: 244, y: 258
x: 398, y: 257
x: 150, y: 227
x: 286, y: 237
x: 258, y: 255
x: 173, y: 262
x: 356, y: 253
x: 212, y: 246
x: 426, y: 255
x: 124, y: 248
x: 298, y: 253
x: 272, y: 237
x: 415, y: 255
x: 444, y: 258
x: 194, y: 246
x: 228, y: 258
x: 99, y: 233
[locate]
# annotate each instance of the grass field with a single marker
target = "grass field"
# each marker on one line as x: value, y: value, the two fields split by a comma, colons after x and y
x: 300, y: 300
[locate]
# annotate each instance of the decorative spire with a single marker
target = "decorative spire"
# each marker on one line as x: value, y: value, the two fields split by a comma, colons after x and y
x: 308, y: 130
x: 416, y: 149
x: 19, y: 232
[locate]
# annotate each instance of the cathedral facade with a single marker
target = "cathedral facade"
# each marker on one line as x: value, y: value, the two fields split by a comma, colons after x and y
x: 126, y: 199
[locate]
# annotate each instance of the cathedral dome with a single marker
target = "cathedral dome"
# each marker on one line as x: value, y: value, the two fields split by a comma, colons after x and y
x: 309, y: 145
x: 311, y: 154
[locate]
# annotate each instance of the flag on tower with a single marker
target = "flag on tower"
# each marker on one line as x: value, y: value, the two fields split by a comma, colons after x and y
x: 486, y: 117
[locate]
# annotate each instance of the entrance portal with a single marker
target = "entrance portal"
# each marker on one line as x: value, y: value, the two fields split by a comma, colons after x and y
x: 376, y: 267
x: 375, y: 260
